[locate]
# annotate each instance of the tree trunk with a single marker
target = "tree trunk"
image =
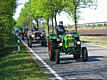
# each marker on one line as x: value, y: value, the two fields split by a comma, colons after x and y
x: 55, y: 22
x: 75, y: 14
x: 52, y: 25
x: 48, y: 25
x: 37, y: 23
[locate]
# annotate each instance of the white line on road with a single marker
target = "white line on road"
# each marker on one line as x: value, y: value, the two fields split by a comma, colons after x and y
x: 45, y: 64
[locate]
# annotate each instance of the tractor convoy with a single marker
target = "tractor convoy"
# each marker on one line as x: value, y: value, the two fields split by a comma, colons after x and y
x: 69, y: 44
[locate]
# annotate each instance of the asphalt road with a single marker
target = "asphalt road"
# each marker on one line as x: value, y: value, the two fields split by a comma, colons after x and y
x: 94, y: 68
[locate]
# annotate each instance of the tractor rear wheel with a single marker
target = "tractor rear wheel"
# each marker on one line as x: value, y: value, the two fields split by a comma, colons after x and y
x: 57, y: 58
x: 84, y: 54
x: 51, y: 51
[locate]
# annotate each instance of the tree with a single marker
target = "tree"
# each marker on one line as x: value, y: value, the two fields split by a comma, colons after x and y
x: 7, y: 10
x: 47, y: 9
x: 25, y: 16
x: 74, y: 5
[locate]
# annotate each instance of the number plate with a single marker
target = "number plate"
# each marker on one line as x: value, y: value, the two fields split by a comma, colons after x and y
x: 71, y: 44
x: 37, y: 37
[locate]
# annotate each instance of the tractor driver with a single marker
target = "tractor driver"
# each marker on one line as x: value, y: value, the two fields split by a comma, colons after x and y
x: 60, y: 29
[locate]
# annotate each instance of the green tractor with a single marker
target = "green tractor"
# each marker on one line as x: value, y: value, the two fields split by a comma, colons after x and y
x: 69, y: 44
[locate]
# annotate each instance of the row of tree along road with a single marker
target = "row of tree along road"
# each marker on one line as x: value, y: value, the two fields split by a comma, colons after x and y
x: 47, y: 10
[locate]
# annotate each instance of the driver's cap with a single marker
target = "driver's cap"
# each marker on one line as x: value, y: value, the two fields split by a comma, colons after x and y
x: 61, y: 22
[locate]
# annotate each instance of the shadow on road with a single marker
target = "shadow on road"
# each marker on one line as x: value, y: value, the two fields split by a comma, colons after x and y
x: 94, y: 58
x: 68, y: 60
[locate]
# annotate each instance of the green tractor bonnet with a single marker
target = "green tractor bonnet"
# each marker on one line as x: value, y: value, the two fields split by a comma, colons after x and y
x: 68, y: 40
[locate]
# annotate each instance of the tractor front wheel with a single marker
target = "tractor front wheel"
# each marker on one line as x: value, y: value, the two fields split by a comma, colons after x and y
x: 84, y: 54
x: 43, y: 43
x: 76, y: 56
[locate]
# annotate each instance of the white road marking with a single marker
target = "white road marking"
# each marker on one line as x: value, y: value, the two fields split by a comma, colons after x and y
x: 43, y: 62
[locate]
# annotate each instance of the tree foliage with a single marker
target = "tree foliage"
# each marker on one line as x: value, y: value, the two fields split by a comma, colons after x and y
x: 48, y: 9
x: 7, y: 10
x: 24, y: 18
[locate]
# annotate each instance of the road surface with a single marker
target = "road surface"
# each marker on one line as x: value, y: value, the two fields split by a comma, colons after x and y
x: 94, y: 68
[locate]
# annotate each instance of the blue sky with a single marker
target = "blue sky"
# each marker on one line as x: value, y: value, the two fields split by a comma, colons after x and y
x: 87, y: 14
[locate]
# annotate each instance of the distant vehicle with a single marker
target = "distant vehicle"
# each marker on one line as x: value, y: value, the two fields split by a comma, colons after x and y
x: 35, y: 36
x: 43, y: 38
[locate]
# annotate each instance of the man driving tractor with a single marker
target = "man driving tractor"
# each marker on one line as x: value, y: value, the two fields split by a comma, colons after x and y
x: 60, y: 29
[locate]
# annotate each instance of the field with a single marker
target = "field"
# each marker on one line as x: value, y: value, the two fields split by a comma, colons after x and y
x: 93, y: 31
x: 94, y: 35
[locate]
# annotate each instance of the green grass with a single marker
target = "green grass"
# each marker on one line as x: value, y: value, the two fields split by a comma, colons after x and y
x: 95, y: 40
x: 16, y: 65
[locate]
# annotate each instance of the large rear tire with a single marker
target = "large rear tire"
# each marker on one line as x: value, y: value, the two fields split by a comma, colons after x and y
x: 57, y: 58
x: 51, y: 51
x: 84, y: 54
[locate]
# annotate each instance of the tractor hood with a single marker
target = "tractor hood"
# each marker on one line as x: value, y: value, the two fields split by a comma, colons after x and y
x: 52, y: 36
x: 74, y: 34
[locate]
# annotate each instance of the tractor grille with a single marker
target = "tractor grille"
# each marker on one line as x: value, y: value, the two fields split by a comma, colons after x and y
x: 68, y: 41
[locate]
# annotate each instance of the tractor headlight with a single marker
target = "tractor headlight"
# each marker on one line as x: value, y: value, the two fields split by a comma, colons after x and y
x: 33, y: 35
x: 60, y: 44
x: 78, y: 42
x: 41, y: 35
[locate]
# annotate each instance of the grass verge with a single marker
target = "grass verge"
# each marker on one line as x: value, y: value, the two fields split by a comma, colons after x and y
x: 95, y: 40
x: 18, y: 65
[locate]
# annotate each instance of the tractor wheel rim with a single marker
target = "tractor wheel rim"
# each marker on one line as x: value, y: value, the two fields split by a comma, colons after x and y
x: 49, y: 49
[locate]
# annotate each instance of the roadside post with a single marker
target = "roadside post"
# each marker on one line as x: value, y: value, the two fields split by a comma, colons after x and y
x: 18, y: 41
